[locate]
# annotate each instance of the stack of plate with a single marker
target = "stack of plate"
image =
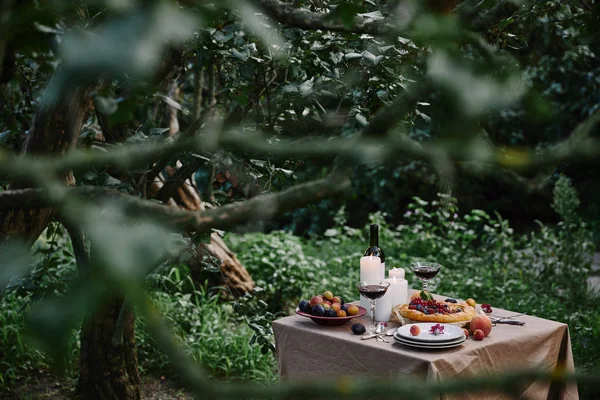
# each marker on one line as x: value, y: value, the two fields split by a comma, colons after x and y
x: 453, y: 336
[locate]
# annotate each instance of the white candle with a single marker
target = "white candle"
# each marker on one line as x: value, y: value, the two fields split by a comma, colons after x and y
x: 398, y: 290
x: 397, y: 293
x: 397, y: 272
x: 371, y: 269
x: 383, y: 306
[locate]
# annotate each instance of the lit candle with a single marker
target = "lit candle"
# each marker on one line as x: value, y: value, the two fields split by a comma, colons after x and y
x: 371, y: 269
x: 396, y: 272
x: 397, y: 293
x: 398, y: 286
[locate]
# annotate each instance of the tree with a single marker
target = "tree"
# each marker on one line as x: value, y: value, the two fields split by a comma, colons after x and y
x: 262, y: 100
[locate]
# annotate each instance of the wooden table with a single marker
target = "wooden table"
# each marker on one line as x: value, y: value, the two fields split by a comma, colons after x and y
x: 306, y: 350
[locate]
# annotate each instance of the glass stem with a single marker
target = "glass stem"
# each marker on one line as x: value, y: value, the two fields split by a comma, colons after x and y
x: 424, y: 285
x: 373, y: 313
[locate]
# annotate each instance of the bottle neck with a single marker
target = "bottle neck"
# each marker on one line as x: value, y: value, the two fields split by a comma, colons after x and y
x: 374, y: 236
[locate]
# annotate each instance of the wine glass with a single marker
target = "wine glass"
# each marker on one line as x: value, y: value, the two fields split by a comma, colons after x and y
x: 372, y: 290
x: 425, y: 271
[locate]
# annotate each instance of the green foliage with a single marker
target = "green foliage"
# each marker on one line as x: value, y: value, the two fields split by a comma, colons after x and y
x: 18, y: 359
x: 210, y: 331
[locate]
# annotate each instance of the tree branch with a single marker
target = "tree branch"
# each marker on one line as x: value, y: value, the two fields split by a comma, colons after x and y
x: 260, y: 207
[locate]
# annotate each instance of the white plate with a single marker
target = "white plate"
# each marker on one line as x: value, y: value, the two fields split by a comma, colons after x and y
x: 430, y: 346
x: 451, y: 332
x: 451, y: 342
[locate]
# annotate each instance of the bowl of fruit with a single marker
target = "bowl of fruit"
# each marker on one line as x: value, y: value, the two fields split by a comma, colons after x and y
x: 329, y: 310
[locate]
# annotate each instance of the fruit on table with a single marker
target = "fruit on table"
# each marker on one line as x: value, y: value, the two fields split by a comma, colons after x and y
x: 337, y: 299
x: 345, y: 307
x: 466, y: 331
x: 415, y: 330
x: 358, y: 329
x: 482, y: 323
x: 326, y: 306
x: 317, y: 310
x: 327, y: 295
x: 304, y: 306
x: 341, y: 313
x: 471, y: 302
x: 478, y: 335
x: 327, y: 302
x: 336, y: 307
x: 315, y: 301
x: 487, y: 308
x: 330, y: 313
x: 353, y: 310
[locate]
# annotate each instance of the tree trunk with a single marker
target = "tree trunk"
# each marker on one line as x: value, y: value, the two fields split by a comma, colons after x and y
x: 109, y: 366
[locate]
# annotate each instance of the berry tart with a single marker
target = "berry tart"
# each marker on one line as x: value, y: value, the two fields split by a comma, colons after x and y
x: 423, y: 310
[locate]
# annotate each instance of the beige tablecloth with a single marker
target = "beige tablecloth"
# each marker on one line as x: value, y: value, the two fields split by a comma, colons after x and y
x: 305, y: 350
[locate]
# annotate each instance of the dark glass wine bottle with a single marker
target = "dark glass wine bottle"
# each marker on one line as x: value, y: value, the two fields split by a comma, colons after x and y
x: 374, y: 249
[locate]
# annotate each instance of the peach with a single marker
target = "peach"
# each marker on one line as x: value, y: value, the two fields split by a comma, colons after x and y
x: 481, y: 322
x: 327, y: 295
x: 471, y: 302
x: 336, y: 299
x: 415, y: 330
x: 336, y: 307
x: 341, y: 313
x: 327, y: 302
x: 315, y: 301
x: 353, y: 310
x: 466, y: 332
x: 478, y: 335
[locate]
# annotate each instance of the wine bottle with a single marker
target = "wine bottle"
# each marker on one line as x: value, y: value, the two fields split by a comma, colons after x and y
x: 374, y: 249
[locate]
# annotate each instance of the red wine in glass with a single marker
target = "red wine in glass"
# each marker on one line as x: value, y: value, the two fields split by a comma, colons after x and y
x: 425, y: 271
x: 372, y: 290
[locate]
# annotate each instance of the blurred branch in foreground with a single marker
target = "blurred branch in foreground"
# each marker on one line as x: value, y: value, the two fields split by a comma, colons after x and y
x: 225, y: 217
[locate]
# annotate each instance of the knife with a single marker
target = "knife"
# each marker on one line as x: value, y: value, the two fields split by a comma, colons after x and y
x: 508, y: 321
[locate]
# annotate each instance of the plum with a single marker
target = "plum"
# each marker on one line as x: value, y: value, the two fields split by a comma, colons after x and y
x: 353, y: 310
x: 450, y: 300
x: 304, y: 306
x: 330, y: 313
x: 358, y: 329
x: 315, y: 301
x: 317, y: 310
